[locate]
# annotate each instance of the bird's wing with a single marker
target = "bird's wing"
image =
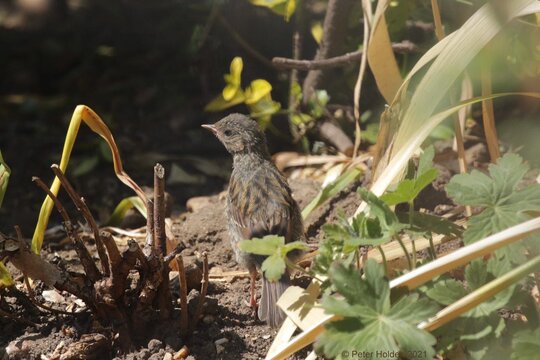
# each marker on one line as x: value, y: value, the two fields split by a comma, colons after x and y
x: 261, y: 205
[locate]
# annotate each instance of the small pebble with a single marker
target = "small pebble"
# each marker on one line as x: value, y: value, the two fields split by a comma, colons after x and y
x: 168, y: 356
x: 219, y: 349
x: 208, y: 319
x: 221, y: 341
x: 154, y: 345
x: 266, y: 337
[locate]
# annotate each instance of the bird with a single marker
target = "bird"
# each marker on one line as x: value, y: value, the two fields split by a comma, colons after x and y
x: 259, y: 203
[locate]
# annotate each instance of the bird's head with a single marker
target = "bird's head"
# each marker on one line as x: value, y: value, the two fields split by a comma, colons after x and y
x: 239, y: 134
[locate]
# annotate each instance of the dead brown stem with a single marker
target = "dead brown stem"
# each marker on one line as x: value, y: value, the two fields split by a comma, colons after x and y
x: 202, y: 296
x: 87, y: 262
x: 85, y: 211
x: 184, y: 322
x: 160, y: 237
x: 150, y: 224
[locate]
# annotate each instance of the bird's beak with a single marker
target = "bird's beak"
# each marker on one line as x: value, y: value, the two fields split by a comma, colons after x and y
x: 210, y: 127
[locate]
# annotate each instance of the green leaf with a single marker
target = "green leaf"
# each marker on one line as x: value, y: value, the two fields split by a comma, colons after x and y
x: 446, y: 292
x: 273, y: 267
x: 504, y: 205
x: 332, y: 189
x: 408, y: 189
x: 526, y: 345
x: 268, y: 245
x: 422, y: 222
x: 370, y: 322
x: 295, y: 245
x: 5, y: 172
x: 449, y: 291
x: 5, y: 277
x: 123, y: 207
x: 387, y: 221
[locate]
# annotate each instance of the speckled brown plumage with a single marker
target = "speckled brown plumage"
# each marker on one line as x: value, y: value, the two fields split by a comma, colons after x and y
x: 259, y: 203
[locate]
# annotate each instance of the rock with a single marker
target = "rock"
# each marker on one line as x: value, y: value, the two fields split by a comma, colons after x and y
x: 221, y: 341
x: 168, y: 356
x: 208, y: 319
x: 154, y: 345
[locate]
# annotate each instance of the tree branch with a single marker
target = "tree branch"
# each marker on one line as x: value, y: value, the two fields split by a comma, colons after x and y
x: 342, y: 60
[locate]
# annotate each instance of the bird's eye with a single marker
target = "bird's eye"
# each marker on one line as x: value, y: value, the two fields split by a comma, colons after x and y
x: 227, y: 132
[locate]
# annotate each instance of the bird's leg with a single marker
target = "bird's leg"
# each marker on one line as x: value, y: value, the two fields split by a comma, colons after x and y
x: 252, y: 292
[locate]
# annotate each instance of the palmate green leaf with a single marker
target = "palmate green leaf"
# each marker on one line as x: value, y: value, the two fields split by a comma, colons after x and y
x: 448, y: 291
x: 526, y: 345
x: 423, y: 222
x: 408, y: 189
x: 5, y: 171
x: 273, y: 267
x: 370, y: 323
x: 504, y: 205
x: 385, y: 220
x: 275, y: 248
x: 268, y: 245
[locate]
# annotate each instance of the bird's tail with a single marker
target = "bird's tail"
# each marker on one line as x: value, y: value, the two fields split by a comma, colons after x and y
x: 271, y: 292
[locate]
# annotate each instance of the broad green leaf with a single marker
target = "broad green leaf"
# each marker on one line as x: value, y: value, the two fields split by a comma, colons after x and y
x: 370, y: 322
x: 407, y: 190
x: 449, y: 291
x: 423, y: 222
x: 331, y: 190
x: 268, y: 245
x: 295, y: 245
x: 5, y: 276
x: 384, y: 217
x: 425, y: 163
x: 275, y: 249
x: 526, y: 345
x: 273, y: 267
x: 5, y: 171
x: 504, y: 205
x: 446, y: 292
x: 257, y: 90
x: 123, y: 207
x: 233, y: 79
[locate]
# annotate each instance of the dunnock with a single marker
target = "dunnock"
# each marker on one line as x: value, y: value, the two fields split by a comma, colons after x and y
x: 259, y: 203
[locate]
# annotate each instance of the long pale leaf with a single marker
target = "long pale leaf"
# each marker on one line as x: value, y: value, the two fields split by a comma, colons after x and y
x: 84, y: 114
